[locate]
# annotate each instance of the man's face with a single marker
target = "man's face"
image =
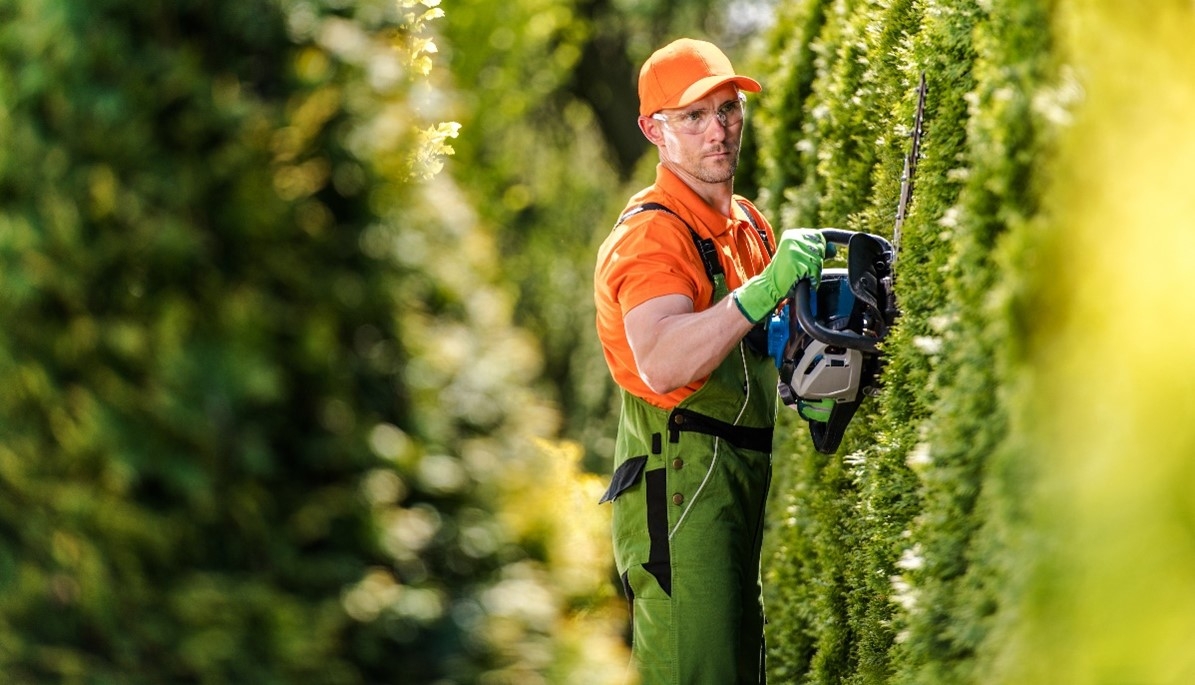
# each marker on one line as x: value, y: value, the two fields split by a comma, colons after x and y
x: 710, y: 155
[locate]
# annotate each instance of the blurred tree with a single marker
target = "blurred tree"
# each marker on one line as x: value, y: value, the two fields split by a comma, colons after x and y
x: 205, y: 414
x: 266, y: 401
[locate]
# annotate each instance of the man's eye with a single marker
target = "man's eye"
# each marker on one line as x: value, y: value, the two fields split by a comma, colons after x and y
x: 729, y: 108
x: 694, y: 116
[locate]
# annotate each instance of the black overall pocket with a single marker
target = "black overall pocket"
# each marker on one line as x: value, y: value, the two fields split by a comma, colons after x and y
x: 626, y: 475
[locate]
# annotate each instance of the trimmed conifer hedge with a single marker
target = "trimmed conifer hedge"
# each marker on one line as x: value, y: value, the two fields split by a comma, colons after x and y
x: 959, y: 535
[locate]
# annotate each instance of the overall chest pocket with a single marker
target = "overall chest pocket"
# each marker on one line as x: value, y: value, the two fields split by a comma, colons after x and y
x: 625, y: 476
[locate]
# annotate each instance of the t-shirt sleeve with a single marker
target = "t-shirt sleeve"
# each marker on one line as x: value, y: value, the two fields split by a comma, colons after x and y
x: 653, y: 257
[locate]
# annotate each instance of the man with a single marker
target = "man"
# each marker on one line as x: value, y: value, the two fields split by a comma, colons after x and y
x: 680, y: 282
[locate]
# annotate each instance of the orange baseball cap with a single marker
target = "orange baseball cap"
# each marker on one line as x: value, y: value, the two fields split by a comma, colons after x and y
x: 684, y: 71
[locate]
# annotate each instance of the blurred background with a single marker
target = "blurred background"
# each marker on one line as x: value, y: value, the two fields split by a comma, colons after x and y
x: 298, y: 382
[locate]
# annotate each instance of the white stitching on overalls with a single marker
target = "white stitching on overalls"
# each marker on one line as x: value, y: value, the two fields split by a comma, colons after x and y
x: 717, y: 443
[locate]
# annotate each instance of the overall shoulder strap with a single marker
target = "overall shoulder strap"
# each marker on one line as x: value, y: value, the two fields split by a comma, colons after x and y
x: 705, y: 246
x: 763, y: 235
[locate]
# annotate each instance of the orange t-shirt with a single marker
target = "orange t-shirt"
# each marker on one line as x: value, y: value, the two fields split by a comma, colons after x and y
x: 652, y: 254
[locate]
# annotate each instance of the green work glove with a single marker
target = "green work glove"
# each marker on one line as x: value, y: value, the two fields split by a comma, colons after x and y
x: 798, y: 255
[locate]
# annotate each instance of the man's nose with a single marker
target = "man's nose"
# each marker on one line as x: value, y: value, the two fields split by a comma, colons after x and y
x: 719, y: 128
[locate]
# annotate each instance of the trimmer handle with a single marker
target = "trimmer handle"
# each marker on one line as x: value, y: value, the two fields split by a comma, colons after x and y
x: 836, y: 236
x: 803, y: 311
x: 801, y: 302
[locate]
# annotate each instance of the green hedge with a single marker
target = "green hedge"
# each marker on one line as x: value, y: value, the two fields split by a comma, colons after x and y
x: 1015, y: 506
x: 885, y: 563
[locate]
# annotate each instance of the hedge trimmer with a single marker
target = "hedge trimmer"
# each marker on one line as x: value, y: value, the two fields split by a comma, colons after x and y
x: 826, y: 341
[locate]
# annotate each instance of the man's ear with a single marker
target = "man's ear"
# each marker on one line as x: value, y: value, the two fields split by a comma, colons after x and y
x: 651, y: 130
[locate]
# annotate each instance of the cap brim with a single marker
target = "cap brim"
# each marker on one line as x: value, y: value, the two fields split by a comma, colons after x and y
x: 709, y: 84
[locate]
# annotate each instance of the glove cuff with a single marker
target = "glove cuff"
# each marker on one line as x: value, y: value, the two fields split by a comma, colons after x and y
x: 756, y: 298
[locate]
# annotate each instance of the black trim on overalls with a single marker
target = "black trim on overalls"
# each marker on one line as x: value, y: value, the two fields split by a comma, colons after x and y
x: 659, y: 555
x: 743, y: 437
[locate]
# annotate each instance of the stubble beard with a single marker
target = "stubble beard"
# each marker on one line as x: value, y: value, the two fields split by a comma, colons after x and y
x: 719, y: 172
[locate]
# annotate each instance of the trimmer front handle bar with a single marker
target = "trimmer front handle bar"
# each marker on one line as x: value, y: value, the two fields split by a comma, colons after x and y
x: 802, y: 306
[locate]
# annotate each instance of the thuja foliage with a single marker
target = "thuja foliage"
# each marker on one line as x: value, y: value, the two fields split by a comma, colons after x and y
x: 885, y: 562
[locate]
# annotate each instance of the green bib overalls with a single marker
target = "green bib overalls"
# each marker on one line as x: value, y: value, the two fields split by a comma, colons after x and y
x: 688, y: 492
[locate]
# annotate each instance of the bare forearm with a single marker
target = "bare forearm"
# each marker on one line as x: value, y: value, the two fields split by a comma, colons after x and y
x: 674, y: 346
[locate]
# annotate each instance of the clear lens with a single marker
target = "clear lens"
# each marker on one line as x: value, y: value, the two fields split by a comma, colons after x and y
x: 697, y: 120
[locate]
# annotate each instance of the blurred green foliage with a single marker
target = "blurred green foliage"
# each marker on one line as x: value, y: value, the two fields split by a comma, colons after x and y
x: 261, y: 385
x: 1105, y: 597
x: 192, y: 387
